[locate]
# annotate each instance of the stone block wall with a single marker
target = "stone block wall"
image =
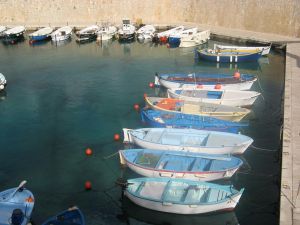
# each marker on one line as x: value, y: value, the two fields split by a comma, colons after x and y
x: 270, y: 16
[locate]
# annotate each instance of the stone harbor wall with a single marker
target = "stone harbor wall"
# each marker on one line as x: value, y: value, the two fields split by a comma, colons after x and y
x: 270, y: 16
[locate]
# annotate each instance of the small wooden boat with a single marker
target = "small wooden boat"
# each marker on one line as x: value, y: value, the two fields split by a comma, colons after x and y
x: 14, y: 34
x: 180, y: 120
x: 72, y: 216
x: 87, y: 34
x: 223, y: 97
x: 146, y: 32
x: 222, y: 112
x: 265, y: 50
x: 194, y: 40
x: 228, y: 56
x: 188, y: 140
x: 16, y: 205
x: 176, y: 164
x: 182, y: 196
x: 62, y: 34
x: 41, y: 34
x: 127, y: 31
x: 2, y: 81
x: 236, y: 81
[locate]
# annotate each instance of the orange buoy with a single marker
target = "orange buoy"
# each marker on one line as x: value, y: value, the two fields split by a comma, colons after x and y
x: 136, y: 107
x: 116, y: 137
x: 218, y: 86
x: 151, y: 85
x: 88, y: 152
x: 199, y: 86
x: 88, y: 186
x: 237, y: 75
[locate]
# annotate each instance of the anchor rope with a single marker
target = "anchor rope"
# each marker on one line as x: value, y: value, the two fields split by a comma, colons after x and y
x: 110, y: 156
x: 264, y: 149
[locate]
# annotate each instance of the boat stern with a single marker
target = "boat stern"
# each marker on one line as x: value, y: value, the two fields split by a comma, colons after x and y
x: 127, y: 136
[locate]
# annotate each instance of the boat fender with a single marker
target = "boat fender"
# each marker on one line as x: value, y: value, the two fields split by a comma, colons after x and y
x: 17, y: 217
x: 218, y: 86
x: 29, y: 199
x: 237, y: 75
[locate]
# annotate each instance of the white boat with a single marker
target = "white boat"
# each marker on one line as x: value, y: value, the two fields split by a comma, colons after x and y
x: 146, y: 32
x: 2, y: 81
x: 185, y: 33
x: 87, y: 34
x: 41, y: 34
x: 173, y: 31
x: 181, y: 196
x: 224, y: 97
x: 176, y: 164
x: 194, y: 40
x: 188, y: 140
x: 106, y: 33
x: 127, y: 31
x: 208, y: 81
x: 62, y: 34
x: 264, y: 49
x: 14, y: 33
x: 2, y: 29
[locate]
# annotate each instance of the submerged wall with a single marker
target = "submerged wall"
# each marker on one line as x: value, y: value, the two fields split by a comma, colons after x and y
x: 270, y: 16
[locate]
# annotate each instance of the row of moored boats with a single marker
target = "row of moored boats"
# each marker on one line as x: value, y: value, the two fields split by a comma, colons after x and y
x: 179, y: 36
x: 192, y: 139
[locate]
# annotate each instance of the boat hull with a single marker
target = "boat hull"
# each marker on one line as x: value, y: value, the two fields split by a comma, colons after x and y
x: 184, y: 209
x: 241, y: 102
x: 233, y: 58
x: 126, y: 37
x: 196, y: 176
x: 39, y: 37
x: 234, y: 116
x: 218, y: 150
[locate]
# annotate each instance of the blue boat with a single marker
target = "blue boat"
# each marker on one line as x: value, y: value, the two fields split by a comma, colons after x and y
x: 16, y: 205
x: 180, y: 120
x: 174, y: 41
x: 41, y: 34
x: 72, y: 216
x: 228, y: 56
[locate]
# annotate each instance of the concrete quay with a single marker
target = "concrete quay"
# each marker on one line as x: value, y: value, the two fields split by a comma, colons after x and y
x: 290, y: 167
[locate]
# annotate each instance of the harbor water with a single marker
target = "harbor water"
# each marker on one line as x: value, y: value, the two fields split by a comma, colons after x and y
x: 62, y: 99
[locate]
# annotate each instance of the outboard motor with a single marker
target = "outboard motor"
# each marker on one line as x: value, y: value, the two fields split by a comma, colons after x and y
x: 17, y: 217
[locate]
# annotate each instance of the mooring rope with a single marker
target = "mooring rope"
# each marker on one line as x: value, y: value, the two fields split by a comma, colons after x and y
x: 264, y: 149
x: 262, y: 91
x: 110, y: 156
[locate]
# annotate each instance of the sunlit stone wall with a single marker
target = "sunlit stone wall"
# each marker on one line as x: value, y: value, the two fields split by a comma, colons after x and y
x: 270, y: 16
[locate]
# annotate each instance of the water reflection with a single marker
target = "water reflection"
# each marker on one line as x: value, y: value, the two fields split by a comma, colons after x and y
x: 61, y: 43
x: 131, y: 210
x: 39, y: 43
x: 3, y: 95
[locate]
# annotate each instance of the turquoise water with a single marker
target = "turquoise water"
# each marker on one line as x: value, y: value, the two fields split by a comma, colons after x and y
x: 63, y: 99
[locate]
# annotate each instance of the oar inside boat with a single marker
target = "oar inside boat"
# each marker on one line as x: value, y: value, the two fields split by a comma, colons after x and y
x: 21, y: 185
